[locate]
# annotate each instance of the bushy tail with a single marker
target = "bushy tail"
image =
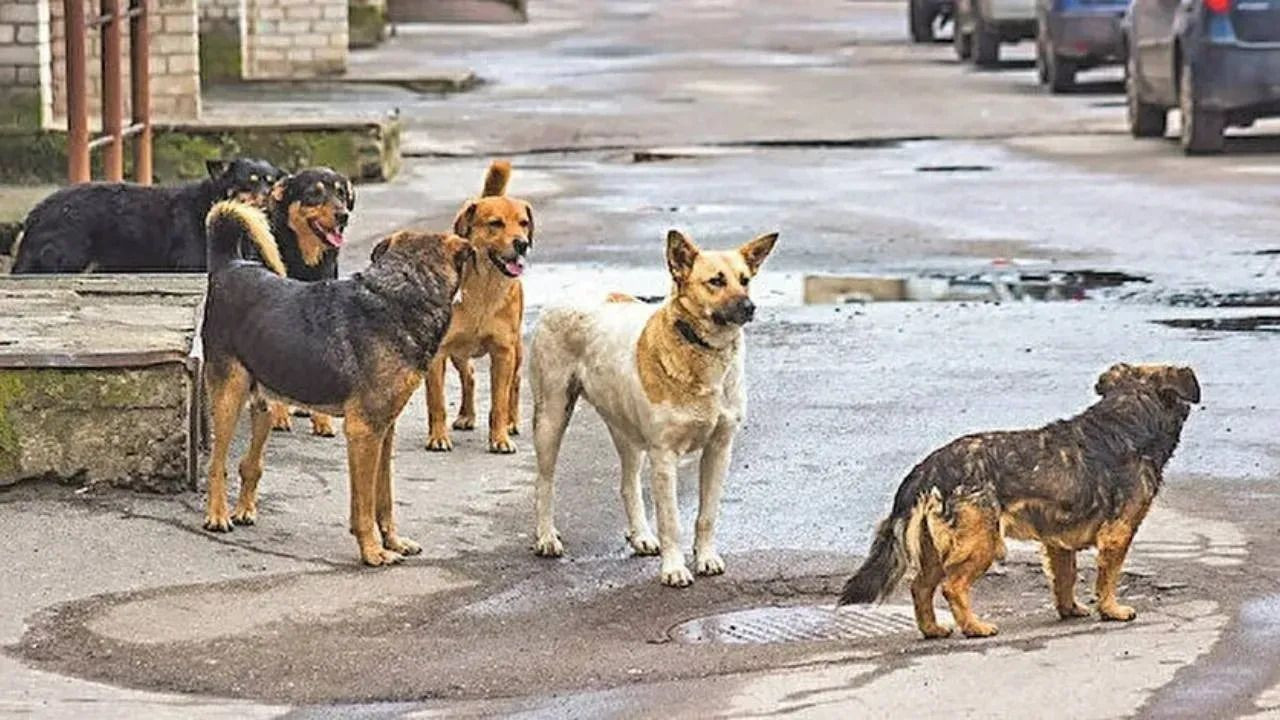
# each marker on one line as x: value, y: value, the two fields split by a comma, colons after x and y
x: 495, y: 181
x: 229, y: 224
x: 884, y: 567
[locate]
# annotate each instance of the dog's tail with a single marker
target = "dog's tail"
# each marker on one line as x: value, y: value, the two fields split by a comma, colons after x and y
x: 495, y: 181
x: 894, y: 551
x: 229, y: 224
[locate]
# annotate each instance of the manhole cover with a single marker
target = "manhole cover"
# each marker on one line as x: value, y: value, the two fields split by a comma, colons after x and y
x: 795, y: 624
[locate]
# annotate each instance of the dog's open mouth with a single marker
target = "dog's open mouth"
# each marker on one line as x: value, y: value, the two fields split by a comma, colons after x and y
x: 511, y: 267
x: 333, y: 236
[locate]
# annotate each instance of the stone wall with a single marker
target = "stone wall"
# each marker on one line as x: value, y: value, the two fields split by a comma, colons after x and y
x: 293, y: 38
x: 25, y: 101
x: 175, y: 80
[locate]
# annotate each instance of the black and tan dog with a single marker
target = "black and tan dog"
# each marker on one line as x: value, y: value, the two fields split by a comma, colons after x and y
x: 1073, y: 484
x: 309, y: 211
x: 128, y: 228
x: 356, y: 347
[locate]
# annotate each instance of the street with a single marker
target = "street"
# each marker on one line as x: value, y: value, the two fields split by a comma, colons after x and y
x: 728, y: 119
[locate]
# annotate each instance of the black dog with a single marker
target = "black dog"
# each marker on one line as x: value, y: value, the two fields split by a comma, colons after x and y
x: 356, y: 347
x: 123, y: 227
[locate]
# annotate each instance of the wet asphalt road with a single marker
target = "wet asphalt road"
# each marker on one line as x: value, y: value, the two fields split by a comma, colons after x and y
x: 815, y: 119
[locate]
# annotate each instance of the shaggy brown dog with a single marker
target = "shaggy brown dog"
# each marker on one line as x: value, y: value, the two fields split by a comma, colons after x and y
x: 489, y: 319
x: 355, y: 347
x: 1073, y: 484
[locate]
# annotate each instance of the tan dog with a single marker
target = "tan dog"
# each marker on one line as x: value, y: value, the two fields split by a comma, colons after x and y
x: 667, y: 383
x: 489, y: 318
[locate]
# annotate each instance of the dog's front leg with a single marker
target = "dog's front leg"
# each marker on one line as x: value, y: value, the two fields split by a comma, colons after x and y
x: 437, y: 433
x: 711, y: 472
x: 501, y: 374
x: 673, y: 572
x: 364, y: 456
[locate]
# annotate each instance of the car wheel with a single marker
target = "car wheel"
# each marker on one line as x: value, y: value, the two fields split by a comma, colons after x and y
x: 920, y: 18
x: 986, y: 46
x: 1201, y: 129
x: 961, y: 40
x: 1145, y: 120
x: 1062, y: 73
x: 1042, y: 65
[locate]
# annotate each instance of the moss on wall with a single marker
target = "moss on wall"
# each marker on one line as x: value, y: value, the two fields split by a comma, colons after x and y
x: 220, y: 55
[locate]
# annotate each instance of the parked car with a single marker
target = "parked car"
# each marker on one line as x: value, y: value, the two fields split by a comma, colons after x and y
x: 1075, y: 35
x: 982, y: 25
x: 924, y: 15
x: 1217, y: 61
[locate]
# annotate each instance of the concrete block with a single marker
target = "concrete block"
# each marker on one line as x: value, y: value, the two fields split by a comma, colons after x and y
x: 8, y: 33
x: 19, y: 12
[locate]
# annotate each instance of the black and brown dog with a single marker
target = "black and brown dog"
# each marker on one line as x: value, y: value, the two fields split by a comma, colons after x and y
x: 1072, y: 484
x: 129, y: 228
x: 356, y: 347
x: 309, y: 211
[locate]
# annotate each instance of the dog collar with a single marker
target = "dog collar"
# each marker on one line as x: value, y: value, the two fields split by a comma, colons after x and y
x: 688, y: 333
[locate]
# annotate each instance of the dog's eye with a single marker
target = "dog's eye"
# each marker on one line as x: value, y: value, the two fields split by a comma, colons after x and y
x: 253, y: 178
x: 745, y: 280
x: 496, y: 223
x: 717, y: 282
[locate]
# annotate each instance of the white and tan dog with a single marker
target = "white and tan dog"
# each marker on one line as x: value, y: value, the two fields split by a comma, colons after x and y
x: 666, y: 383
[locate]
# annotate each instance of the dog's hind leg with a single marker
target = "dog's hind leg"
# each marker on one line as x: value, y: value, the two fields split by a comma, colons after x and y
x: 555, y: 393
x: 711, y: 471
x: 923, y: 587
x: 246, y: 509
x: 641, y: 538
x: 974, y: 545
x: 227, y: 384
x: 466, y: 419
x: 1060, y: 567
x: 1113, y: 541
x: 437, y: 434
x: 673, y: 571
x: 364, y: 458
x: 385, y: 509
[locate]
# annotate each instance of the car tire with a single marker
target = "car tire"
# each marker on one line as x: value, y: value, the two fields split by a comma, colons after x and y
x: 961, y: 41
x: 920, y: 18
x: 1145, y: 120
x: 1201, y: 129
x: 986, y: 46
x: 1061, y: 72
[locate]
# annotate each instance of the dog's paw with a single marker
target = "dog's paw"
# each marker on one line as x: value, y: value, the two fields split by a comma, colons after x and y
x: 322, y: 425
x: 676, y: 576
x: 708, y: 563
x: 501, y: 446
x: 377, y: 557
x: 1076, y: 610
x: 280, y: 420
x: 979, y: 629
x: 402, y: 545
x: 244, y: 515
x: 464, y: 422
x: 217, y: 522
x: 513, y: 430
x: 935, y: 632
x: 549, y: 545
x: 644, y: 543
x: 439, y: 443
x: 1117, y: 612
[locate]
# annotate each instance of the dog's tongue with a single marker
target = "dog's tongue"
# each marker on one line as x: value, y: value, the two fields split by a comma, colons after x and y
x: 334, y: 238
x: 515, y: 267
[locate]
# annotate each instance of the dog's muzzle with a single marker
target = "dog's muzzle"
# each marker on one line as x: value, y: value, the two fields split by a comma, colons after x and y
x: 739, y: 312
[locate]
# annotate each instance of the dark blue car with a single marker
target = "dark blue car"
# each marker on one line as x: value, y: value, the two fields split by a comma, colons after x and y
x: 1076, y: 35
x: 1217, y: 61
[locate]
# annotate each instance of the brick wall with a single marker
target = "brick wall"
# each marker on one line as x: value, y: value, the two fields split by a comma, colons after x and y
x: 175, y: 81
x: 25, y: 101
x: 294, y: 38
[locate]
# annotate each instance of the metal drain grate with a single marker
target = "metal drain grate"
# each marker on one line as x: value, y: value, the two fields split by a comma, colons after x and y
x: 795, y: 624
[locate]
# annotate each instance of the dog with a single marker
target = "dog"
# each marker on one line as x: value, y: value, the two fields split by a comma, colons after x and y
x: 667, y: 381
x: 309, y: 212
x: 128, y: 228
x: 356, y: 347
x: 490, y: 318
x: 1083, y: 482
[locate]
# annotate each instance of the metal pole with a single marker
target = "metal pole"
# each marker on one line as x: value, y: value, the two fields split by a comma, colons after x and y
x: 140, y: 73
x: 112, y: 95
x: 77, y: 112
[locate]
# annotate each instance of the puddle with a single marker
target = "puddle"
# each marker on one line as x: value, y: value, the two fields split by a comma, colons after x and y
x: 953, y: 168
x: 1000, y: 283
x: 1264, y: 298
x: 1255, y: 323
x: 807, y: 623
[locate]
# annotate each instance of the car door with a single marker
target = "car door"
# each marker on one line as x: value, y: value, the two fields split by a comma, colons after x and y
x: 1153, y: 26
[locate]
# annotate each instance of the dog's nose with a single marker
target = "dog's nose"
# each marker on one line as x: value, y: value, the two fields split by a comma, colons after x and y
x: 342, y: 216
x: 746, y: 309
x: 521, y: 245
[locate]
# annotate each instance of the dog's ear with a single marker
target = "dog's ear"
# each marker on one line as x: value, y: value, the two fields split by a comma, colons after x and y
x: 380, y: 249
x: 277, y: 190
x: 1111, y: 378
x: 1181, y: 383
x: 215, y: 168
x: 462, y: 223
x: 757, y: 250
x: 681, y: 252
x: 528, y: 213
